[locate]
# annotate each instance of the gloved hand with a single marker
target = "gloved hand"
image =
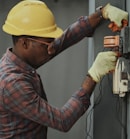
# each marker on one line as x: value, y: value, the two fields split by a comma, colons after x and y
x: 115, y: 15
x: 104, y: 63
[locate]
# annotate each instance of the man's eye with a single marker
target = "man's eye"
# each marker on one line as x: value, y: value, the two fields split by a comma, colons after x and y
x: 44, y: 45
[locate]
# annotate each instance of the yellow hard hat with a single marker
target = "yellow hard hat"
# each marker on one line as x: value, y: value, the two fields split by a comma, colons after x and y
x: 33, y: 18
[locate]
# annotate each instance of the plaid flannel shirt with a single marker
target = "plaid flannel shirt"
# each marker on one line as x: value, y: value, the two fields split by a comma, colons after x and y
x: 24, y: 110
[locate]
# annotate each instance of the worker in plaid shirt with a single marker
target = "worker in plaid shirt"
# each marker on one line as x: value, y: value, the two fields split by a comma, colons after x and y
x: 24, y: 110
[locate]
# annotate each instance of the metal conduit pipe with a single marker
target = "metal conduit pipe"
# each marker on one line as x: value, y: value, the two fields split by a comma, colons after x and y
x: 124, y: 102
x: 124, y: 117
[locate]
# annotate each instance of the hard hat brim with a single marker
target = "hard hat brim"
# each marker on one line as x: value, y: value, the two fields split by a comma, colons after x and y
x: 15, y: 31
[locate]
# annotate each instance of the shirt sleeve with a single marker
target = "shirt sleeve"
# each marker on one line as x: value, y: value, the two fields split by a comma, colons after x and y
x: 19, y: 97
x: 73, y: 34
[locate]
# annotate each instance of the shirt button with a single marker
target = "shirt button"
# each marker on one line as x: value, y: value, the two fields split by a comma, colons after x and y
x: 33, y: 71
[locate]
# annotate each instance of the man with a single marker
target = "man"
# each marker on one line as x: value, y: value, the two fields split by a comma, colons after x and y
x: 24, y: 110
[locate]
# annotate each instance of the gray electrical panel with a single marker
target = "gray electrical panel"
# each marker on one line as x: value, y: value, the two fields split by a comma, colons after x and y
x: 110, y: 113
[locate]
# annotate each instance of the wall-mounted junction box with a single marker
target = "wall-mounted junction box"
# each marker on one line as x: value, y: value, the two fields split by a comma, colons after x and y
x: 121, y: 75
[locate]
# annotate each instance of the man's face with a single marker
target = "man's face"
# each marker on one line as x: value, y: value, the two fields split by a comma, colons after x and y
x: 38, y: 51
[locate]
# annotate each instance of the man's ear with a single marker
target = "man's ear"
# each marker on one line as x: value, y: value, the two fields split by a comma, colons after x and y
x: 24, y: 42
x: 51, y: 50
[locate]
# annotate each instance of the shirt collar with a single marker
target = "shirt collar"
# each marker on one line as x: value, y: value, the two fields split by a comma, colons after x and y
x: 19, y: 62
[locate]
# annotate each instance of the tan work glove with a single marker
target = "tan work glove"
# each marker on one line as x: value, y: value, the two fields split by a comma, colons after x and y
x: 104, y: 63
x: 115, y: 15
